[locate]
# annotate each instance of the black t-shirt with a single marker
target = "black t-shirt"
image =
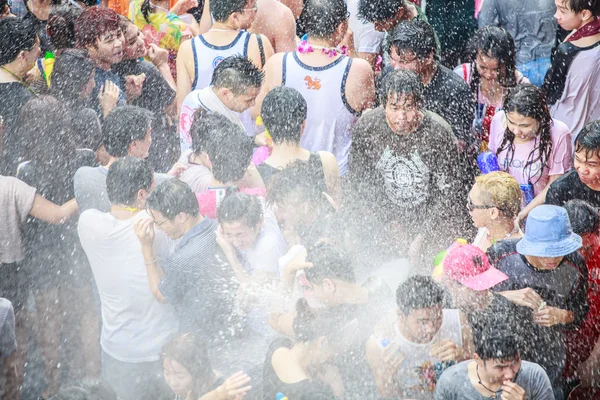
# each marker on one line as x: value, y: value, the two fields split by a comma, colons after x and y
x: 314, y: 160
x: 569, y: 187
x: 13, y: 96
x: 303, y: 390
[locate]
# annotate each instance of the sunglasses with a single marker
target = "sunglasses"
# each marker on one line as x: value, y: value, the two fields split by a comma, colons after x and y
x: 471, y: 206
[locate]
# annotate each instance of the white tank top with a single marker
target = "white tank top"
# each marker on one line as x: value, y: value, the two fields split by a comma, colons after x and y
x: 330, y: 118
x: 208, y: 56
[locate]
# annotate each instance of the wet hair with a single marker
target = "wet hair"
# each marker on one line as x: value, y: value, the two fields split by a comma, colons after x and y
x: 16, y: 35
x: 496, y: 43
x: 237, y: 74
x: 87, y: 390
x: 497, y: 345
x: 419, y: 292
x: 501, y: 190
x: 126, y: 177
x: 123, y: 126
x: 578, y: 6
x: 3, y: 5
x: 94, y: 23
x: 191, y: 352
x: 87, y: 131
x: 72, y: 71
x: 379, y: 10
x: 328, y: 262
x: 243, y: 207
x: 416, y: 36
x: 401, y: 83
x: 299, y: 180
x: 283, y: 111
x: 311, y: 324
x: 588, y: 140
x: 61, y: 25
x: 583, y: 216
x: 529, y: 101
x: 321, y: 18
x: 221, y: 10
x: 173, y: 197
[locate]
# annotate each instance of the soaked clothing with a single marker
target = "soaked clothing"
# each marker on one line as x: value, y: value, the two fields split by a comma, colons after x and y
x: 100, y: 78
x: 569, y: 187
x: 267, y: 171
x: 14, y: 95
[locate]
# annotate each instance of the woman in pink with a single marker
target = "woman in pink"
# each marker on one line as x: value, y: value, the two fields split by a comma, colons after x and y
x: 530, y: 145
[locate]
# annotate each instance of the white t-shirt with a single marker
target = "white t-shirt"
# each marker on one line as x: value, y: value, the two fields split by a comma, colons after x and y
x: 366, y: 38
x: 135, y: 325
x: 269, y: 247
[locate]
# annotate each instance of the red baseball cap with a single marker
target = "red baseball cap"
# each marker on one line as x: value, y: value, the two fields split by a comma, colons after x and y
x: 470, y: 266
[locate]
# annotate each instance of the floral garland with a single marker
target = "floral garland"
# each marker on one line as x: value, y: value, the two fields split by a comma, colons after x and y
x: 305, y: 47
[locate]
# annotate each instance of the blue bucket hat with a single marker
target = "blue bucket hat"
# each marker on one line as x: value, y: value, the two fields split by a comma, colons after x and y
x: 548, y: 233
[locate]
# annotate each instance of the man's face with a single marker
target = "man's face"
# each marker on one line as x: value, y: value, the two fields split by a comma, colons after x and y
x: 545, y: 263
x: 385, y: 25
x: 134, y: 46
x: 587, y: 165
x: 241, y: 235
x: 405, y: 59
x: 487, y: 67
x: 565, y: 17
x: 241, y: 102
x: 500, y: 371
x: 141, y: 148
x: 247, y: 16
x: 174, y: 228
x: 461, y: 295
x: 401, y: 113
x: 291, y: 213
x: 422, y: 324
x: 481, y: 216
x: 108, y: 48
x: 31, y: 56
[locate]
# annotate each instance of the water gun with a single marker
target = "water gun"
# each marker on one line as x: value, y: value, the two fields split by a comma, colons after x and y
x: 488, y: 162
x: 280, y: 396
x: 438, y: 262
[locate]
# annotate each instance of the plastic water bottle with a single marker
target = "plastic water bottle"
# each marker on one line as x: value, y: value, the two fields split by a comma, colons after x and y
x: 487, y: 162
x: 280, y: 396
x: 528, y: 193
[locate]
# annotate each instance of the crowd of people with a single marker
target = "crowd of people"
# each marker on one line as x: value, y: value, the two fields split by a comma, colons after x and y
x: 284, y: 199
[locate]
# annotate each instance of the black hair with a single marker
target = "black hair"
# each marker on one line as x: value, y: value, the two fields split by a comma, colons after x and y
x: 87, y: 131
x: 205, y: 124
x: 300, y: 180
x: 126, y: 177
x: 529, y: 101
x: 583, y: 216
x: 16, y: 35
x: 416, y: 36
x: 237, y: 206
x: 321, y: 18
x: 310, y: 324
x: 496, y: 345
x: 237, y: 73
x: 419, y: 292
x: 61, y: 25
x: 283, y: 112
x: 578, y: 6
x: 3, y: 5
x: 172, y: 197
x: 72, y: 71
x: 496, y: 43
x: 328, y: 262
x: 379, y: 10
x: 401, y: 83
x: 588, y: 140
x: 123, y: 126
x: 87, y: 390
x: 222, y: 9
x: 191, y: 352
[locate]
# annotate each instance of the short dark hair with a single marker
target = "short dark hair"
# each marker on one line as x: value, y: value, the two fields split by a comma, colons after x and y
x: 237, y: 73
x: 328, y: 262
x: 401, y: 83
x: 379, y: 10
x: 321, y: 18
x: 300, y: 180
x: 126, y: 177
x: 237, y: 206
x: 583, y: 216
x: 588, y: 139
x: 123, y: 126
x: 16, y: 35
x: 416, y: 36
x: 93, y: 23
x: 497, y: 345
x: 172, y: 197
x: 418, y: 292
x: 311, y: 324
x: 61, y: 25
x: 283, y: 112
x: 87, y: 390
x: 71, y: 73
x: 578, y: 6
x: 222, y: 9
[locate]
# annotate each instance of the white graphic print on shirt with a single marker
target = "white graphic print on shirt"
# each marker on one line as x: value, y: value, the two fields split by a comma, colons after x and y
x: 406, y: 180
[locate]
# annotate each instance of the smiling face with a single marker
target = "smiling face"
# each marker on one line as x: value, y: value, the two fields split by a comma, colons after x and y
x: 524, y: 128
x: 488, y: 68
x: 108, y: 49
x: 587, y: 165
x: 134, y: 46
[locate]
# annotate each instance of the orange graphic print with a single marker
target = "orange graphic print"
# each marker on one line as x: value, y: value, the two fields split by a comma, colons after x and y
x: 312, y: 84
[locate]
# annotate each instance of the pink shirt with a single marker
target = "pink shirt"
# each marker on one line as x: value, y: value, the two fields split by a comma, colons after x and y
x: 560, y: 156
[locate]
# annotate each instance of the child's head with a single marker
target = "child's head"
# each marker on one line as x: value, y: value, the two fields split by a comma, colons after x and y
x: 573, y: 14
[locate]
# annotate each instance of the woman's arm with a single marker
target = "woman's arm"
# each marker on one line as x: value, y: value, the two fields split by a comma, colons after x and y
x: 538, y: 200
x: 47, y: 211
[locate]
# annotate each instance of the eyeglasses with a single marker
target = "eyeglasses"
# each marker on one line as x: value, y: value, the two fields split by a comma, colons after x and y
x: 471, y: 206
x: 254, y: 9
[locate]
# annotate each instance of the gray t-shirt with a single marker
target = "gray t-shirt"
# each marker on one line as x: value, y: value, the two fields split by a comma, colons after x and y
x: 90, y: 188
x: 454, y: 384
x: 16, y: 200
